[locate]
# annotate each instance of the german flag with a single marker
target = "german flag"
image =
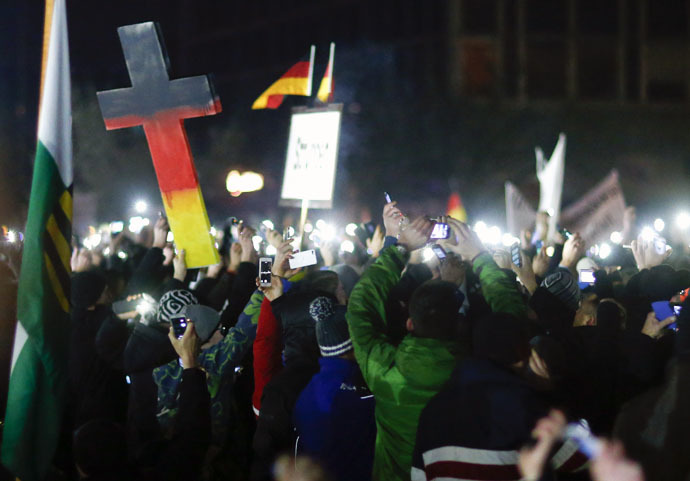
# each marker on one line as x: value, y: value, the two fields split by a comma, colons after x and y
x: 325, y: 93
x: 296, y: 81
x: 455, y: 209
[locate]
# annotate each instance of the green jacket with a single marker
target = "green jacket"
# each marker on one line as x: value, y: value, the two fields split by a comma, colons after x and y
x: 403, y: 378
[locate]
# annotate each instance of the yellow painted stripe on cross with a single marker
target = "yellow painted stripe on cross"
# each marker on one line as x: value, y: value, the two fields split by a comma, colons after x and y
x: 190, y: 225
x: 55, y: 282
x: 61, y: 244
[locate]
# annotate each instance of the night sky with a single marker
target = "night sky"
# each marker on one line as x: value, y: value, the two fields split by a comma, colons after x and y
x: 404, y: 129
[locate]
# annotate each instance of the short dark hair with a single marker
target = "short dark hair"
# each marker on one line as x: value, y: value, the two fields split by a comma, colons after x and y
x: 434, y: 308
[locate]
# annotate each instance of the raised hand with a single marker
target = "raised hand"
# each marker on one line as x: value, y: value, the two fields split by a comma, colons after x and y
x: 654, y: 327
x: 416, y: 234
x: 249, y: 254
x: 188, y: 346
x: 281, y: 264
x: 375, y: 244
x: 468, y: 244
x: 525, y: 273
x: 160, y: 232
x: 392, y: 219
x: 649, y: 253
x: 274, y: 291
x: 179, y: 266
x: 573, y: 251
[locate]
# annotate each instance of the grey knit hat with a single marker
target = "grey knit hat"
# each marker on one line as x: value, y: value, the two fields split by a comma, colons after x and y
x: 332, y: 333
x: 562, y: 285
x: 173, y: 302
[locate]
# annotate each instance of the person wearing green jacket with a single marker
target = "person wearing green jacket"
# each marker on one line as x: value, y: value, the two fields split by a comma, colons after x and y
x: 403, y: 378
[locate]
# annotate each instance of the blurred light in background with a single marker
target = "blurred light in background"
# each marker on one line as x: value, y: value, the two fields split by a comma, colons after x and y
x: 237, y: 183
x: 170, y: 237
x: 308, y: 227
x: 268, y: 224
x: 683, y: 220
x: 604, y: 251
x: 616, y: 237
x: 647, y: 233
x: 256, y: 240
x: 137, y: 223
x: 350, y: 229
x: 347, y: 246
x: 659, y: 225
x: 427, y: 254
x: 270, y: 250
x: 140, y: 206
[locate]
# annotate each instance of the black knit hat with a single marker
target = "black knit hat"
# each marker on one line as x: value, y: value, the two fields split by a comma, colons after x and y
x: 562, y: 285
x: 87, y: 288
x: 173, y: 302
x: 332, y: 333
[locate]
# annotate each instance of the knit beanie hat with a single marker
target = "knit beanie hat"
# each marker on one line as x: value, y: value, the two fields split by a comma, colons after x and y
x: 205, y: 318
x: 172, y: 303
x: 332, y: 333
x: 87, y: 288
x: 562, y: 285
x: 501, y: 338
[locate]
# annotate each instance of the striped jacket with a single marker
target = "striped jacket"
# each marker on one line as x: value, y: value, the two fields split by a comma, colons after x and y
x: 474, y: 428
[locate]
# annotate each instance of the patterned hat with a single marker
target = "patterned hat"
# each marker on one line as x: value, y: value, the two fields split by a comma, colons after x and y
x: 562, y: 285
x: 173, y: 302
x: 332, y: 333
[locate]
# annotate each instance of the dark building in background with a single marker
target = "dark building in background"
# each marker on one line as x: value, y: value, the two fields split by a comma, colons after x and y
x: 465, y: 88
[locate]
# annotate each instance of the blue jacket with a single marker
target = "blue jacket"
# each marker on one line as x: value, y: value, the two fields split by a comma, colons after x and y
x: 334, y: 419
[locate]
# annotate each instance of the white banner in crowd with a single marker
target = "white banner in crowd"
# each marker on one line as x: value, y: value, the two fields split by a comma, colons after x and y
x: 312, y: 157
x: 519, y: 213
x: 550, y: 176
x: 599, y: 212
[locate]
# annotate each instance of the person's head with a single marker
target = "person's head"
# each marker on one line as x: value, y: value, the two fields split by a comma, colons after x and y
x: 547, y: 366
x: 503, y: 339
x: 88, y: 289
x: 586, y: 315
x: 327, y: 282
x: 99, y: 447
x: 332, y: 333
x: 562, y: 285
x: 434, y: 308
x: 173, y: 303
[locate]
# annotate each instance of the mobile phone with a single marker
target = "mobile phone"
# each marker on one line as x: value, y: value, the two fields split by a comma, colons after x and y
x: 303, y: 259
x: 288, y: 232
x: 179, y: 324
x: 588, y: 444
x: 660, y: 245
x: 441, y: 231
x: 138, y: 302
x: 539, y: 245
x: 265, y: 267
x: 663, y: 310
x: 388, y: 198
x: 587, y: 276
x: 515, y: 254
x: 565, y: 233
x: 116, y: 227
x: 438, y: 250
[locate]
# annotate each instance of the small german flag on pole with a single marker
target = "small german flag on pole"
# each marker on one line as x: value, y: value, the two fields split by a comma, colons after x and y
x: 296, y: 81
x: 325, y: 93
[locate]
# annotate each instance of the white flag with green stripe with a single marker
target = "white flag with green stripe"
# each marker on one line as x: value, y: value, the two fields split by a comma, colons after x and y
x: 38, y: 378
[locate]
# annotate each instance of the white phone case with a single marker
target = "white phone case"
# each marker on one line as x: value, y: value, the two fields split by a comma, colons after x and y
x: 303, y: 259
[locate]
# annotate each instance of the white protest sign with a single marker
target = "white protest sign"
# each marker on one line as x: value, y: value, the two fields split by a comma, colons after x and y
x: 550, y: 176
x: 599, y: 212
x: 312, y: 157
x: 519, y: 213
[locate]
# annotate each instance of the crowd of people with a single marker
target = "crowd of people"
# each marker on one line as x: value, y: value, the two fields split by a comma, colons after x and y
x: 378, y: 363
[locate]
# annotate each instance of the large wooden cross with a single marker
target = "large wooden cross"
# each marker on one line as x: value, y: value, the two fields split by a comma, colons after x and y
x: 160, y: 105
